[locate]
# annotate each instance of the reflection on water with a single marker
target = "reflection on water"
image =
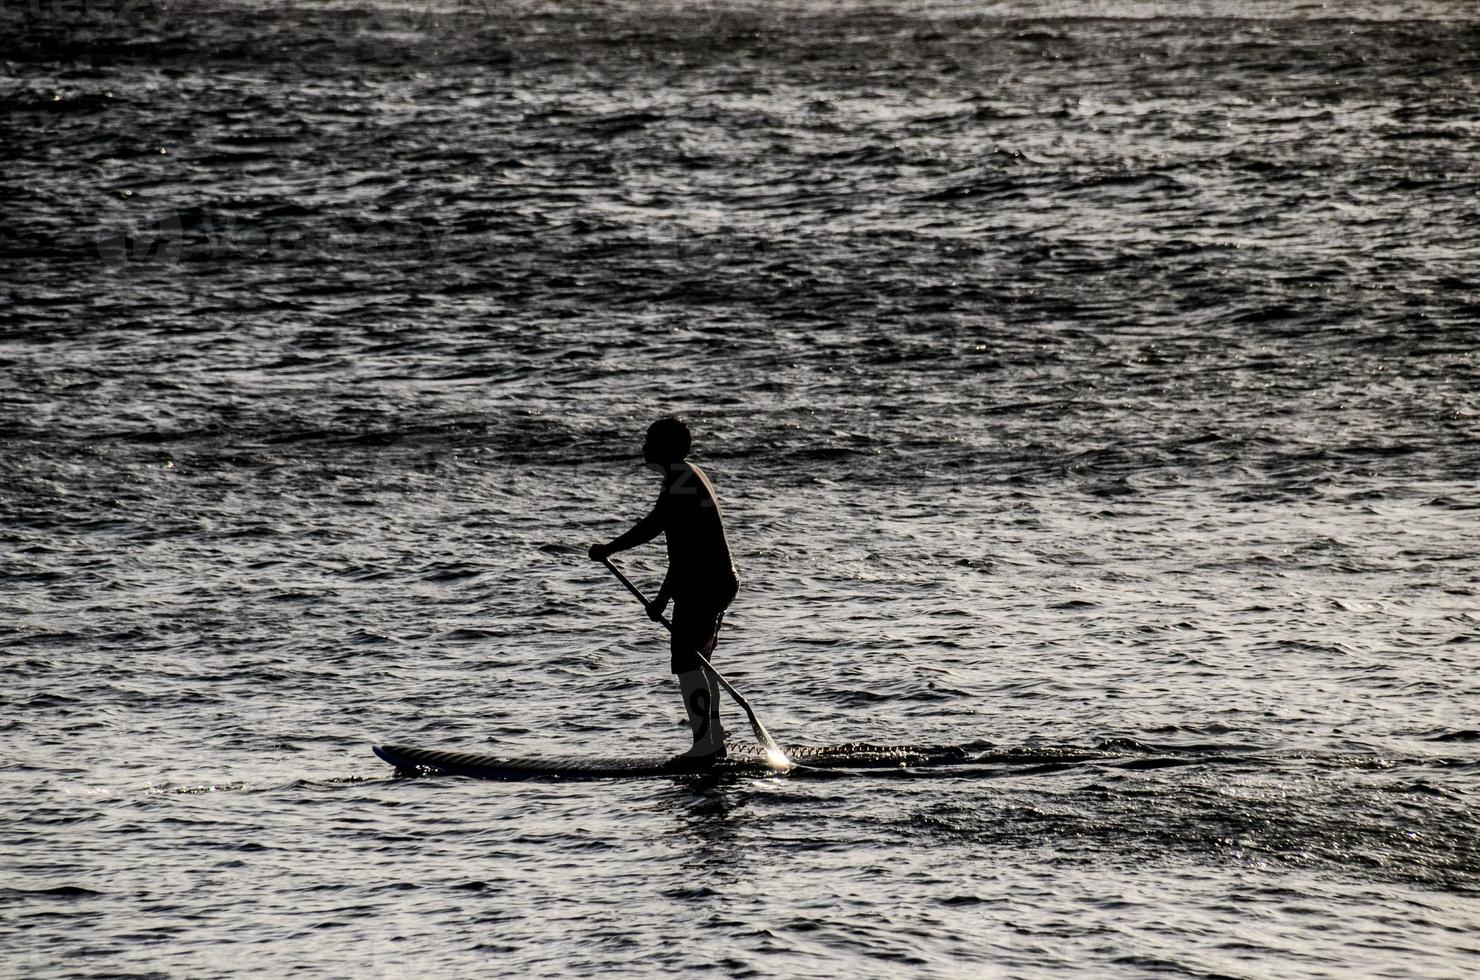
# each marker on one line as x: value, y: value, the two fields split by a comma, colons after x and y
x: 1089, y: 387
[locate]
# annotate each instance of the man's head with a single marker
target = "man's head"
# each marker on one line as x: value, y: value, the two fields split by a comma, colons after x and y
x: 667, y: 441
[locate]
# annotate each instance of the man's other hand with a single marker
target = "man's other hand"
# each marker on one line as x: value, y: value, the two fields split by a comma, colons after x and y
x: 655, y: 610
x: 599, y: 552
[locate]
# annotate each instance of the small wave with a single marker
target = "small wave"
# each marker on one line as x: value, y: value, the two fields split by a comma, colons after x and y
x: 1464, y: 735
x: 57, y: 892
x: 468, y: 633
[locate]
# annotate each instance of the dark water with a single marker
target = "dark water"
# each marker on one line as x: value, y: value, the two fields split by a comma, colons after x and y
x: 1094, y: 385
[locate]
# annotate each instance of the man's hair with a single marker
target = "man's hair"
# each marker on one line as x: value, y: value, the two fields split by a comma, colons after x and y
x: 669, y: 438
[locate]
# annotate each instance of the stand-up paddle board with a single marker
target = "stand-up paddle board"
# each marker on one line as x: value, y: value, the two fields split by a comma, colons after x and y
x: 743, y: 758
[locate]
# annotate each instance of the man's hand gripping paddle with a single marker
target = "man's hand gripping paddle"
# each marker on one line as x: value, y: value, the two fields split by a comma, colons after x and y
x: 775, y: 757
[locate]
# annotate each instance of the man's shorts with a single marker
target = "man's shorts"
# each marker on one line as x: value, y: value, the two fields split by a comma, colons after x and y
x: 696, y: 625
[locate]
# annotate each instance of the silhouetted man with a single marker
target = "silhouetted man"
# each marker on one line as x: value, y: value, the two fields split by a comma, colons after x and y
x: 701, y: 575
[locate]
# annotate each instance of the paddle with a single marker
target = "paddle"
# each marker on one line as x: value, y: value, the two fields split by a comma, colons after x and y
x: 775, y: 757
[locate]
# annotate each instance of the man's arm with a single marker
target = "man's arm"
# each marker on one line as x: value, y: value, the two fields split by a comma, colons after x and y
x: 660, y: 601
x: 642, y: 532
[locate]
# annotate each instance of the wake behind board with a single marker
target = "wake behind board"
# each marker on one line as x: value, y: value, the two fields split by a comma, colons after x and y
x: 744, y: 758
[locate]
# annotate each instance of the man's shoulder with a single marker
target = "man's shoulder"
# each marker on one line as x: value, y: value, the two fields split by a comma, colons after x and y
x: 699, y: 476
x: 688, y: 482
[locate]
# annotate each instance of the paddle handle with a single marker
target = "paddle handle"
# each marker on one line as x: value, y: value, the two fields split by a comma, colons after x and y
x: 634, y: 590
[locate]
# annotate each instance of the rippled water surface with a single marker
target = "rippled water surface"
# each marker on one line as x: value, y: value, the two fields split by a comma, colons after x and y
x: 1090, y: 385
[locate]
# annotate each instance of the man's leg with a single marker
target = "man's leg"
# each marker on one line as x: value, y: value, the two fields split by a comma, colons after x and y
x: 699, y: 687
x: 701, y: 703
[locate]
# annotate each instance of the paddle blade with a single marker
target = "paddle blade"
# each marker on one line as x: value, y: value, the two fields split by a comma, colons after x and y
x: 776, y: 756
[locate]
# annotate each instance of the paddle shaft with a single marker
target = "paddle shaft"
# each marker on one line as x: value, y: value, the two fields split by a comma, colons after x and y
x: 755, y: 723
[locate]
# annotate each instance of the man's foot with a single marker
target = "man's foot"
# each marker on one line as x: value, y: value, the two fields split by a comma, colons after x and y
x: 703, y: 754
x: 695, y: 759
